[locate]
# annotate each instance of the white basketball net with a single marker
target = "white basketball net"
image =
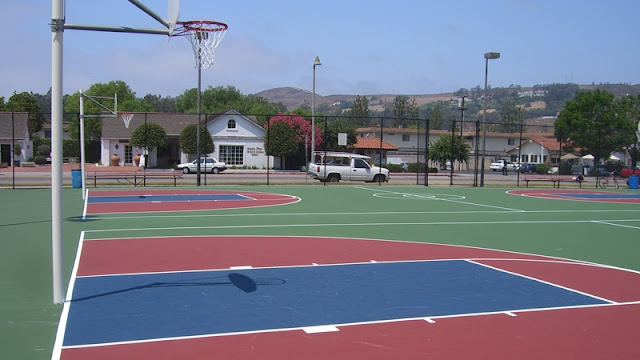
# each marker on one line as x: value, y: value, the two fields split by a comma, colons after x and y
x: 204, y: 37
x: 126, y: 117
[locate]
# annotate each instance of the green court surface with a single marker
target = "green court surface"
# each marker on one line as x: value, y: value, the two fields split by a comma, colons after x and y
x: 604, y: 233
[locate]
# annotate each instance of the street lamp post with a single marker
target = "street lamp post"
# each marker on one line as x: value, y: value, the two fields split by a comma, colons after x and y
x: 487, y: 56
x: 313, y: 109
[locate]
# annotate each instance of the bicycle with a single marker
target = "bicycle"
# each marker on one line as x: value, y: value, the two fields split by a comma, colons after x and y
x: 607, y: 181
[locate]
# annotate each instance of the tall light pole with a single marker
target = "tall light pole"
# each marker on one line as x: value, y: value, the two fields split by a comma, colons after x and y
x: 200, y: 36
x: 313, y: 109
x: 487, y: 56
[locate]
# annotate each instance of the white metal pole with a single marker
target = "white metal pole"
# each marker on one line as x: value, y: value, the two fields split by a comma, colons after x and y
x: 313, y: 110
x: 57, y: 30
x: 82, y: 152
x: 484, y: 120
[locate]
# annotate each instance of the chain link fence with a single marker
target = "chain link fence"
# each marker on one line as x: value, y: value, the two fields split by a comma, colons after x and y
x: 457, y: 153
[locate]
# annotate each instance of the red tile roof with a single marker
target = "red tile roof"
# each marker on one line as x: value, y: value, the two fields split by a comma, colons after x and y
x: 374, y: 143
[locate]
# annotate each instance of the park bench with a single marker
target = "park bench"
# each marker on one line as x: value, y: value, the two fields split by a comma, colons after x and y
x: 567, y: 178
x: 134, y: 177
x: 541, y: 178
x: 554, y: 179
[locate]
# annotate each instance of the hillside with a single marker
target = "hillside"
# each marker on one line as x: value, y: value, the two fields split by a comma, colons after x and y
x: 293, y: 98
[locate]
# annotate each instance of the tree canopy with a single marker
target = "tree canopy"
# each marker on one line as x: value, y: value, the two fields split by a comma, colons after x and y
x: 127, y: 101
x: 219, y: 99
x: 301, y: 127
x: 188, y: 140
x: 510, y: 117
x: 359, y: 112
x: 150, y: 136
x: 404, y: 110
x: 596, y: 123
x: 281, y: 141
x: 443, y: 149
x: 340, y: 125
x: 25, y: 101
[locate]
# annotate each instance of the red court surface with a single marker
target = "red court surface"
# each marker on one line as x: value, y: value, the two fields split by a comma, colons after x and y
x: 250, y: 199
x: 581, y: 195
x: 590, y: 332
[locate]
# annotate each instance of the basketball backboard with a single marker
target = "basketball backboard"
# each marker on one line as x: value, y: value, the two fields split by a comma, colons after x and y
x: 173, y: 13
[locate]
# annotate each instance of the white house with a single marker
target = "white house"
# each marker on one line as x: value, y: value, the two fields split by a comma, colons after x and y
x: 238, y: 139
x: 14, y: 131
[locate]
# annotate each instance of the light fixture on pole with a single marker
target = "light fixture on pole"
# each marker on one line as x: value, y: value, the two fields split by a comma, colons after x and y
x: 487, y: 56
x: 313, y: 109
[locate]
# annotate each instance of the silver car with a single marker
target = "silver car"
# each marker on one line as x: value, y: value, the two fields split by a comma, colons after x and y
x: 206, y: 165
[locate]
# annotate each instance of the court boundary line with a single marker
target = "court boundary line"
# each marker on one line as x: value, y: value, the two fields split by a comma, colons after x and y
x: 296, y: 199
x: 64, y: 315
x: 447, y: 200
x: 242, y: 198
x: 302, y: 328
x: 557, y: 195
x: 553, y: 211
x: 384, y: 240
x: 551, y: 260
x: 544, y: 281
x: 505, y: 222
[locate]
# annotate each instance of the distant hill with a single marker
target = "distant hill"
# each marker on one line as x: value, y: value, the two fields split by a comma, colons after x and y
x: 293, y: 98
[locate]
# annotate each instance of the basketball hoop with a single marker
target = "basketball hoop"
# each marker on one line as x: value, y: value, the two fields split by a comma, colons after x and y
x: 126, y: 117
x: 204, y: 37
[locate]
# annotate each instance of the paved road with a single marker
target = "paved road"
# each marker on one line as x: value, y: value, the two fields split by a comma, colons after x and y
x: 40, y: 177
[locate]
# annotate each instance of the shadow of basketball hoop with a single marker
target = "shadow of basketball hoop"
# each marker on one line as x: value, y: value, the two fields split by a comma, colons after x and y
x: 243, y: 282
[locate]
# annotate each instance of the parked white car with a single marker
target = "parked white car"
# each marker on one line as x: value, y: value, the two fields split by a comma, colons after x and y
x: 500, y: 164
x: 206, y: 165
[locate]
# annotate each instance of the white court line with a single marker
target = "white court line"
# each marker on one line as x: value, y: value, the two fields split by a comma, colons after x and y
x: 266, y: 226
x: 543, y: 282
x: 320, y: 329
x: 372, y: 213
x: 64, y: 316
x: 447, y: 200
x: 60, y: 335
x: 612, y: 223
x: 344, y: 325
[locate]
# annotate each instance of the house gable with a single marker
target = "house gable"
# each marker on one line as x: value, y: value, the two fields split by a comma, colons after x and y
x: 233, y: 124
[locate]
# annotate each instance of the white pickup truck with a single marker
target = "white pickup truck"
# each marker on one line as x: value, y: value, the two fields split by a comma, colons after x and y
x: 336, y: 166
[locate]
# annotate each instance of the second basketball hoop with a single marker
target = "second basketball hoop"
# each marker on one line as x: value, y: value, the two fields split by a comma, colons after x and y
x: 126, y: 117
x: 204, y: 36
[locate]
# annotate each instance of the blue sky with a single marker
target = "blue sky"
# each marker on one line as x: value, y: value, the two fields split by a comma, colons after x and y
x: 366, y: 47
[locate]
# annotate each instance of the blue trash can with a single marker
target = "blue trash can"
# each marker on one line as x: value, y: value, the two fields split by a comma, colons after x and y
x: 633, y: 182
x: 76, y: 178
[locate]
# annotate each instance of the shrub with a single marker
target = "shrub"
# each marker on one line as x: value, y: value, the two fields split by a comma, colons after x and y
x: 543, y: 169
x: 420, y: 167
x: 393, y: 167
x: 71, y: 148
x: 614, y: 165
x: 43, y: 150
x: 40, y: 160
